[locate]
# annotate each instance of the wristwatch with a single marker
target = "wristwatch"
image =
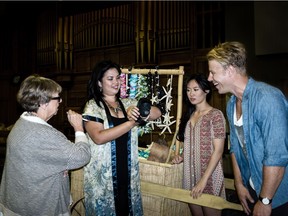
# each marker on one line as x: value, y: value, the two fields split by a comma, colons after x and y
x: 265, y: 200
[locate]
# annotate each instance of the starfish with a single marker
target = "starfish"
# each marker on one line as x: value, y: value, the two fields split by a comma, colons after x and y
x: 167, y: 118
x: 157, y: 122
x: 169, y: 104
x: 168, y: 99
x: 167, y: 94
x: 166, y: 127
x: 169, y: 82
x: 154, y: 99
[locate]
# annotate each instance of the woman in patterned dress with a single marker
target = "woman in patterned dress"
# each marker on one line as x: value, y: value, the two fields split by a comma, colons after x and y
x: 202, y: 129
x: 111, y: 179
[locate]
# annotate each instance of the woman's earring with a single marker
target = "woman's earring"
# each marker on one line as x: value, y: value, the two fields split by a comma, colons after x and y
x: 100, y: 88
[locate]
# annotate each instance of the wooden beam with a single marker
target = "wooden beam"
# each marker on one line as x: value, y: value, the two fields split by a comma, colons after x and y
x: 229, y: 183
x: 184, y: 196
x: 152, y: 71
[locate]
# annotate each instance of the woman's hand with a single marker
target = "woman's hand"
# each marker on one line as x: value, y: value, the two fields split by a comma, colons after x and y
x: 133, y: 113
x: 177, y: 159
x: 75, y: 119
x: 198, y: 189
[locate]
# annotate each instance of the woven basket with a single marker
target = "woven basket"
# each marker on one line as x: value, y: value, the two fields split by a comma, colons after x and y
x: 167, y: 175
x: 158, y: 152
x: 154, y: 172
x: 77, y: 193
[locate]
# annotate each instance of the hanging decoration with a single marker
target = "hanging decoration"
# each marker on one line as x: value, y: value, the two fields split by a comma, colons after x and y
x: 143, y: 91
x: 162, y: 98
x: 147, y: 85
x: 133, y: 85
x: 164, y: 102
x: 123, y: 86
x: 150, y: 83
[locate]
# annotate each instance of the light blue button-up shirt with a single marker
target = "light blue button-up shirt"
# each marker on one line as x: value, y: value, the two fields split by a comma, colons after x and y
x: 265, y: 126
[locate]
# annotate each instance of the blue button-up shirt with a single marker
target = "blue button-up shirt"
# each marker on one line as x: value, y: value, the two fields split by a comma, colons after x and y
x: 265, y: 127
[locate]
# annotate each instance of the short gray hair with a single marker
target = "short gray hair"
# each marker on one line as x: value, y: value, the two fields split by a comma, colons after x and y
x: 36, y: 90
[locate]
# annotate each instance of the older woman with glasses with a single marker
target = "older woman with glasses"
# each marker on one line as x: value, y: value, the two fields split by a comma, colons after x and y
x: 35, y: 179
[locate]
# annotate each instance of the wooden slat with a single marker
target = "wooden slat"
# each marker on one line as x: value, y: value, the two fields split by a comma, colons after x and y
x: 152, y: 71
x: 229, y: 184
x: 179, y: 107
x: 155, y: 163
x: 184, y: 196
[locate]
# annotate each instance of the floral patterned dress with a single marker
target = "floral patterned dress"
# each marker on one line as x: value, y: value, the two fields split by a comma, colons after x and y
x: 198, y: 148
x: 101, y: 184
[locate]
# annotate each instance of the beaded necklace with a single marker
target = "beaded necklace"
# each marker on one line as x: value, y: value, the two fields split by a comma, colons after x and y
x: 115, y: 109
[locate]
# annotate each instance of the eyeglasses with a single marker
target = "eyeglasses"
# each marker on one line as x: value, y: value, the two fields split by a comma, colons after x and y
x: 57, y: 98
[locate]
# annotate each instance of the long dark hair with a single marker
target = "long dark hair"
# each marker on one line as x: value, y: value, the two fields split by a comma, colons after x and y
x: 93, y: 88
x: 204, y: 84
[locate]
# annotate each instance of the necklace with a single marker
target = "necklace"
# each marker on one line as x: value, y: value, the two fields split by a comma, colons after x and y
x: 115, y: 109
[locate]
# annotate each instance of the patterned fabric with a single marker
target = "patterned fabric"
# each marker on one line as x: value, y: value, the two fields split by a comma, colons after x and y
x: 99, y: 174
x: 198, y: 148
